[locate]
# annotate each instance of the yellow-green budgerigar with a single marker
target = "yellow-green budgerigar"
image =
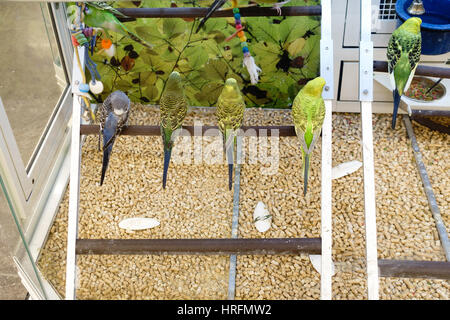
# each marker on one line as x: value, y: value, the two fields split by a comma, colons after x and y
x: 216, y: 5
x: 173, y: 107
x: 403, y: 54
x: 101, y: 15
x: 230, y: 113
x: 308, y: 113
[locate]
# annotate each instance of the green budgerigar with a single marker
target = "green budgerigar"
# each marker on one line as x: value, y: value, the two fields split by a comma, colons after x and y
x: 101, y: 15
x: 230, y: 114
x: 174, y: 107
x: 308, y: 113
x: 216, y: 5
x: 403, y: 54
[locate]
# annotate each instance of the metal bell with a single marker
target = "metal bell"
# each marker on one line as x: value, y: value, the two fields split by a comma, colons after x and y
x: 416, y: 8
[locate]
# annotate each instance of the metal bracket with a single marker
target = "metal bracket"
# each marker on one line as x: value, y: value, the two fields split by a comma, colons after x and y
x: 326, y: 67
x: 366, y: 71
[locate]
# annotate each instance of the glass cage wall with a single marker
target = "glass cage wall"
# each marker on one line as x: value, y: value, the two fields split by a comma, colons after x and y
x: 35, y: 109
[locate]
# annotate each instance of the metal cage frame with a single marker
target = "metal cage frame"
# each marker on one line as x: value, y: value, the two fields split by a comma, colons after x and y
x: 234, y: 245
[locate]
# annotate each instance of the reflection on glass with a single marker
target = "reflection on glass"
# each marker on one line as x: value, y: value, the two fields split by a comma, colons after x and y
x: 23, y: 254
x: 31, y: 76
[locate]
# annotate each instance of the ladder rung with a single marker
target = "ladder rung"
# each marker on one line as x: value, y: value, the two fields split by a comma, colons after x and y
x: 141, y: 130
x: 199, y: 246
x: 414, y: 269
x: 438, y: 72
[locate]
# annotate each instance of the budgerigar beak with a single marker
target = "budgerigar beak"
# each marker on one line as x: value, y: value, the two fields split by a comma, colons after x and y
x: 109, y: 135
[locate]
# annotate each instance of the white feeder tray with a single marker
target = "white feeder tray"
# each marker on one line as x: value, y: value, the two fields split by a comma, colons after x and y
x: 442, y: 104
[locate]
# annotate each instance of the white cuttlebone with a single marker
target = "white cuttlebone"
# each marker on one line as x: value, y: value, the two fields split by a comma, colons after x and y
x: 138, y: 223
x: 345, y: 168
x: 262, y: 218
x: 316, y: 261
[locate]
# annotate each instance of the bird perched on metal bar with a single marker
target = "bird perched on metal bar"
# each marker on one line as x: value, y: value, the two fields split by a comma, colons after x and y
x: 102, y: 15
x: 219, y: 3
x: 173, y: 106
x: 113, y: 115
x: 403, y: 54
x: 308, y: 113
x: 230, y: 113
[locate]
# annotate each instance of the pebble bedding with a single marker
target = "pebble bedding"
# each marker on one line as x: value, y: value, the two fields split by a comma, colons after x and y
x: 197, y: 204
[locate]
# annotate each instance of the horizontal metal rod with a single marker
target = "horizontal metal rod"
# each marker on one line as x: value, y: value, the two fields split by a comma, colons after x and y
x: 430, y: 124
x: 430, y: 113
x: 199, y: 246
x: 201, y: 12
x: 414, y: 269
x: 138, y: 130
x: 438, y: 72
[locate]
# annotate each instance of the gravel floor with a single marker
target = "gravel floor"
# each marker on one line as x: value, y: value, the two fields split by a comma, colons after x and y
x: 197, y: 204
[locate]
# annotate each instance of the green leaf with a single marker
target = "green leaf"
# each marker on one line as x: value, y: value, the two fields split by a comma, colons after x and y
x: 196, y: 56
x: 149, y: 33
x: 148, y: 78
x: 210, y: 92
x: 263, y: 30
x: 215, y: 69
x: 296, y: 46
x: 266, y: 56
x: 292, y: 28
x: 151, y: 92
x: 173, y: 28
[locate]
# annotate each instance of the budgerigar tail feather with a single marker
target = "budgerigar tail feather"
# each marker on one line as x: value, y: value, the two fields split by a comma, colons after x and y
x: 167, y: 154
x: 215, y: 6
x: 305, y: 173
x: 230, y: 159
x: 396, y: 104
x: 139, y: 40
x: 229, y: 150
x: 230, y: 176
x: 109, y: 136
x: 106, y: 155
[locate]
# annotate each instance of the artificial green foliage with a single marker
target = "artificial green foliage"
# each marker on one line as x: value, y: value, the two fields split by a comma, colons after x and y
x: 285, y: 48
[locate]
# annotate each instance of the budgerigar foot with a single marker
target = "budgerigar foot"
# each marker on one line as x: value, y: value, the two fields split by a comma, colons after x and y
x: 277, y: 6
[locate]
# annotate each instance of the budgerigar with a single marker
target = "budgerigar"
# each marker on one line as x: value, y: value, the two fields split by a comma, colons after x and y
x: 173, y: 111
x: 217, y: 4
x: 308, y: 113
x: 403, y: 54
x: 101, y: 15
x: 230, y: 113
x: 113, y: 116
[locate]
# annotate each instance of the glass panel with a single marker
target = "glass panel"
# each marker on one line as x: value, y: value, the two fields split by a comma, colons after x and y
x: 23, y: 254
x: 32, y: 77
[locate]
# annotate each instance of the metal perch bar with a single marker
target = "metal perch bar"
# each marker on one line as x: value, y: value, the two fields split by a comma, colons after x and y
x: 437, y: 72
x: 235, y: 219
x: 431, y: 124
x: 138, y: 130
x: 201, y: 12
x: 199, y: 246
x: 414, y: 269
x: 428, y: 189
